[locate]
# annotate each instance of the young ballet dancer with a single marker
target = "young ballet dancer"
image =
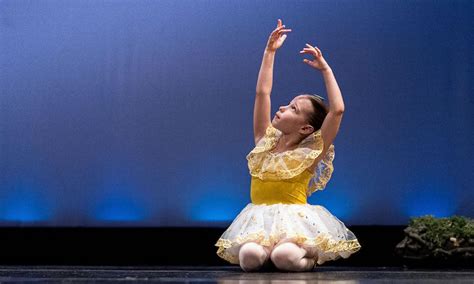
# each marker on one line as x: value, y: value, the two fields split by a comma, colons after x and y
x: 292, y: 159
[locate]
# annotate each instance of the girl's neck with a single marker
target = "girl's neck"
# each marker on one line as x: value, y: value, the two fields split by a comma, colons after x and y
x: 286, y: 143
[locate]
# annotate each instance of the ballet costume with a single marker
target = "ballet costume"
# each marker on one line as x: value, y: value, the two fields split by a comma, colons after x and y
x: 280, y: 186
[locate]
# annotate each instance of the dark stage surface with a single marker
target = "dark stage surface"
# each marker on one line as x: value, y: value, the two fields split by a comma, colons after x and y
x: 118, y: 255
x: 161, y: 247
x: 229, y: 274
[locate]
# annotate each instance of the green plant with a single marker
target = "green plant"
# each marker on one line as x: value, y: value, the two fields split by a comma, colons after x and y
x: 433, y: 238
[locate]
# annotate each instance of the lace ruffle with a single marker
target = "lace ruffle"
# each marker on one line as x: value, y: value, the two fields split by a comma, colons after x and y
x: 270, y: 166
x: 328, y: 249
x: 322, y: 172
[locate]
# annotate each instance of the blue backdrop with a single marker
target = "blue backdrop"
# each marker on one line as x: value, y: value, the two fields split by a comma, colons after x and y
x: 139, y: 113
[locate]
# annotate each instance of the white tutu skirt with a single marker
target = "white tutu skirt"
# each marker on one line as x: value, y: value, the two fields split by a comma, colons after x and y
x: 312, y: 227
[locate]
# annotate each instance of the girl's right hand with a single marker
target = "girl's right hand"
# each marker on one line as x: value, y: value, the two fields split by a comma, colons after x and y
x: 318, y: 62
x: 277, y: 37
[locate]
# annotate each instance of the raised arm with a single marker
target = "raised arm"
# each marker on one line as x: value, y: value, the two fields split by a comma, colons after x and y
x: 331, y: 123
x: 262, y: 107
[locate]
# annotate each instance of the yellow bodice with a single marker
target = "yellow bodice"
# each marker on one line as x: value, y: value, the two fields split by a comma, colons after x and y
x: 287, y: 191
x: 288, y: 177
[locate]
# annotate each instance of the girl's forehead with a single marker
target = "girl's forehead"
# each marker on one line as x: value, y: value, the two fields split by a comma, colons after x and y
x: 303, y: 103
x: 296, y: 98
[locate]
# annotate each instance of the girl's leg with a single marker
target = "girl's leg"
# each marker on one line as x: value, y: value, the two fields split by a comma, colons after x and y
x: 252, y: 256
x: 291, y: 257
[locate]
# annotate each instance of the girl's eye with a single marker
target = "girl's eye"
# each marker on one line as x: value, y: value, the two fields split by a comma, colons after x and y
x: 293, y: 107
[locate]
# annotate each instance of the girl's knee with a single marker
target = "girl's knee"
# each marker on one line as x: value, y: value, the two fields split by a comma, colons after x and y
x: 287, y: 256
x: 286, y: 252
x: 252, y: 256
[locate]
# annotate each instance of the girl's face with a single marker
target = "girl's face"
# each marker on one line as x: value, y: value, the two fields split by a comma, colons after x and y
x: 292, y: 117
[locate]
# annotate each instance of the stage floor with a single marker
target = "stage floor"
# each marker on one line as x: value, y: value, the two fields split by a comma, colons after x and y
x: 229, y: 274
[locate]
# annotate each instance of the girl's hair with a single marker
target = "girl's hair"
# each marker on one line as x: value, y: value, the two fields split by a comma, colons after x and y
x: 316, y: 118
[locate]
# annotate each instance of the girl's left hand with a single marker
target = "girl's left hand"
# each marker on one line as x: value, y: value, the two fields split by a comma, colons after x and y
x: 318, y: 62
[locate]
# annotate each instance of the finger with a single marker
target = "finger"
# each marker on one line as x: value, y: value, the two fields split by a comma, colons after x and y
x: 279, y: 22
x: 309, y: 46
x: 278, y: 29
x: 283, y: 37
x: 319, y: 51
x: 275, y: 31
x: 308, y: 62
x: 284, y: 31
x: 309, y: 50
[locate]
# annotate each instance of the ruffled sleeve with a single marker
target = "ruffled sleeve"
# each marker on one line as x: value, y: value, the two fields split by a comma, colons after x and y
x: 322, y: 172
x: 277, y: 166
